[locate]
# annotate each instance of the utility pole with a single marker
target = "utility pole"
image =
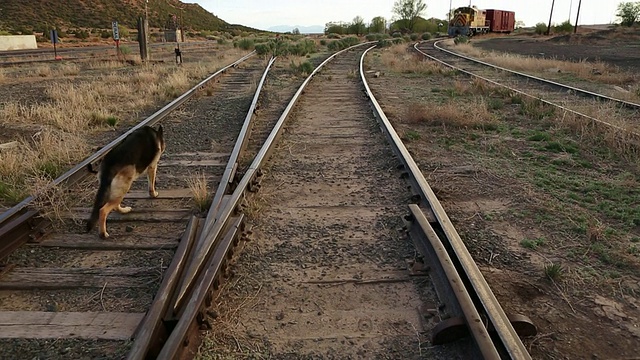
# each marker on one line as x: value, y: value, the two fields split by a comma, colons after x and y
x: 575, y: 28
x: 570, y: 8
x: 450, y: 2
x: 550, y: 16
x: 143, y: 34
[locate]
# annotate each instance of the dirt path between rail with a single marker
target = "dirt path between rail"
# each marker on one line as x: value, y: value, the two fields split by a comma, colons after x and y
x: 327, y: 272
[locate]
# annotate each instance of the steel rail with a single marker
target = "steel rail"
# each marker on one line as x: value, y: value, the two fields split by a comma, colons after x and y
x: 209, y: 237
x: 77, y: 172
x: 433, y: 245
x: 598, y: 121
x: 227, y: 179
x: 232, y: 163
x: 492, y: 308
x: 546, y: 81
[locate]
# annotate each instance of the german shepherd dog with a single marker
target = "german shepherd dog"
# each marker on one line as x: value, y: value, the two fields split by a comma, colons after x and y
x: 139, y: 152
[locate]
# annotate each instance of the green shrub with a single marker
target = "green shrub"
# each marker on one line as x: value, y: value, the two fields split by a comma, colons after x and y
x: 82, y: 34
x: 337, y: 45
x: 245, y: 44
x: 384, y: 43
x: 461, y: 39
x: 426, y: 36
x: 565, y: 27
x: 541, y: 28
x: 304, y: 68
x: 413, y: 37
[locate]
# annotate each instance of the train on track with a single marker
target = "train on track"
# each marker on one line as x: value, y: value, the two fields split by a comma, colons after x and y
x: 470, y: 21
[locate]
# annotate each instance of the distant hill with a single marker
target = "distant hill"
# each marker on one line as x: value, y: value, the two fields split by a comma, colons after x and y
x: 35, y: 15
x: 315, y: 29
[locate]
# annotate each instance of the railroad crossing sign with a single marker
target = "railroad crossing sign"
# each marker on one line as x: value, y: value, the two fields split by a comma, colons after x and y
x: 116, y: 34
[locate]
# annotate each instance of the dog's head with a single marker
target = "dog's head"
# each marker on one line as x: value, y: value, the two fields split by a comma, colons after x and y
x: 160, y: 137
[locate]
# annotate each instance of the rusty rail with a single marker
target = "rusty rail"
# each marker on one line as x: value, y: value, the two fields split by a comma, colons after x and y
x: 160, y: 320
x: 577, y: 113
x: 18, y: 224
x: 477, y: 286
x: 539, y: 79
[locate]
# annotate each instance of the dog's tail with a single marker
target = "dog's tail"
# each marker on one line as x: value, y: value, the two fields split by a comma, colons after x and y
x: 100, y: 200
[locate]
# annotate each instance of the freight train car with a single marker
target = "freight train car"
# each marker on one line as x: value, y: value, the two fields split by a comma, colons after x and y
x: 501, y: 20
x: 470, y: 21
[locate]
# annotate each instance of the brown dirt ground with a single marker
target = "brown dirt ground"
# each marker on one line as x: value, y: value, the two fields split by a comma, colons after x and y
x: 525, y: 192
x: 618, y: 46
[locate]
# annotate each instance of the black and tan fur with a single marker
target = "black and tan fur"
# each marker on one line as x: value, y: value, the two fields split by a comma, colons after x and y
x: 140, y: 151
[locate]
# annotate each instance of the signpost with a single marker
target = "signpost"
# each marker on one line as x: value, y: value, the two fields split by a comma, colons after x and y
x: 116, y: 36
x: 54, y: 41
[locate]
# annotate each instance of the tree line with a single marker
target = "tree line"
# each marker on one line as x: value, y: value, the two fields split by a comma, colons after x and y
x: 408, y: 20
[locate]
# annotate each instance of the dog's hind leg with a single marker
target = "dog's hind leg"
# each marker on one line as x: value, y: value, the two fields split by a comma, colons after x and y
x: 102, y: 221
x: 119, y: 187
x: 151, y: 177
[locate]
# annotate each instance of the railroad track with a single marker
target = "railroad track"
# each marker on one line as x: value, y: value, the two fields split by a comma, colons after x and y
x: 157, y: 52
x: 580, y: 102
x: 69, y: 284
x: 330, y: 240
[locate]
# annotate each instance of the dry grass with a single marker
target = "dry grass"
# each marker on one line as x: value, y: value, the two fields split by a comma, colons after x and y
x: 103, y: 65
x: 3, y: 76
x: 398, y: 59
x: 472, y: 114
x: 69, y: 69
x: 45, y: 156
x: 618, y: 137
x: 74, y: 108
x: 587, y: 70
x: 199, y: 191
x: 42, y: 71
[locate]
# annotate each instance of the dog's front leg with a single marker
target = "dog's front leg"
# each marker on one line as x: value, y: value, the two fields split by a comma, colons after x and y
x: 151, y: 177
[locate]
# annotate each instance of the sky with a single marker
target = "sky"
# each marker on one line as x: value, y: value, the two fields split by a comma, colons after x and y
x: 262, y: 14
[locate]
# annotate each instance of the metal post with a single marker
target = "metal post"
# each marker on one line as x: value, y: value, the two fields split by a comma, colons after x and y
x: 450, y: 2
x: 550, y: 16
x: 142, y: 39
x: 182, y: 23
x: 575, y: 28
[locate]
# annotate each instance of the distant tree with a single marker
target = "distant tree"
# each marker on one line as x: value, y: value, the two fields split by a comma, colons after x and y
x: 519, y: 24
x: 408, y: 11
x: 334, y: 28
x: 378, y: 25
x: 295, y: 31
x: 357, y: 26
x: 628, y: 12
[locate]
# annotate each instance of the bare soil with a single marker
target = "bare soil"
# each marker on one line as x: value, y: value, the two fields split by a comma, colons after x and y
x: 521, y: 204
x: 619, y: 47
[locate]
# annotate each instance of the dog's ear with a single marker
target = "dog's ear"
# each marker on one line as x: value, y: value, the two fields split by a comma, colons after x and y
x: 159, y: 130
